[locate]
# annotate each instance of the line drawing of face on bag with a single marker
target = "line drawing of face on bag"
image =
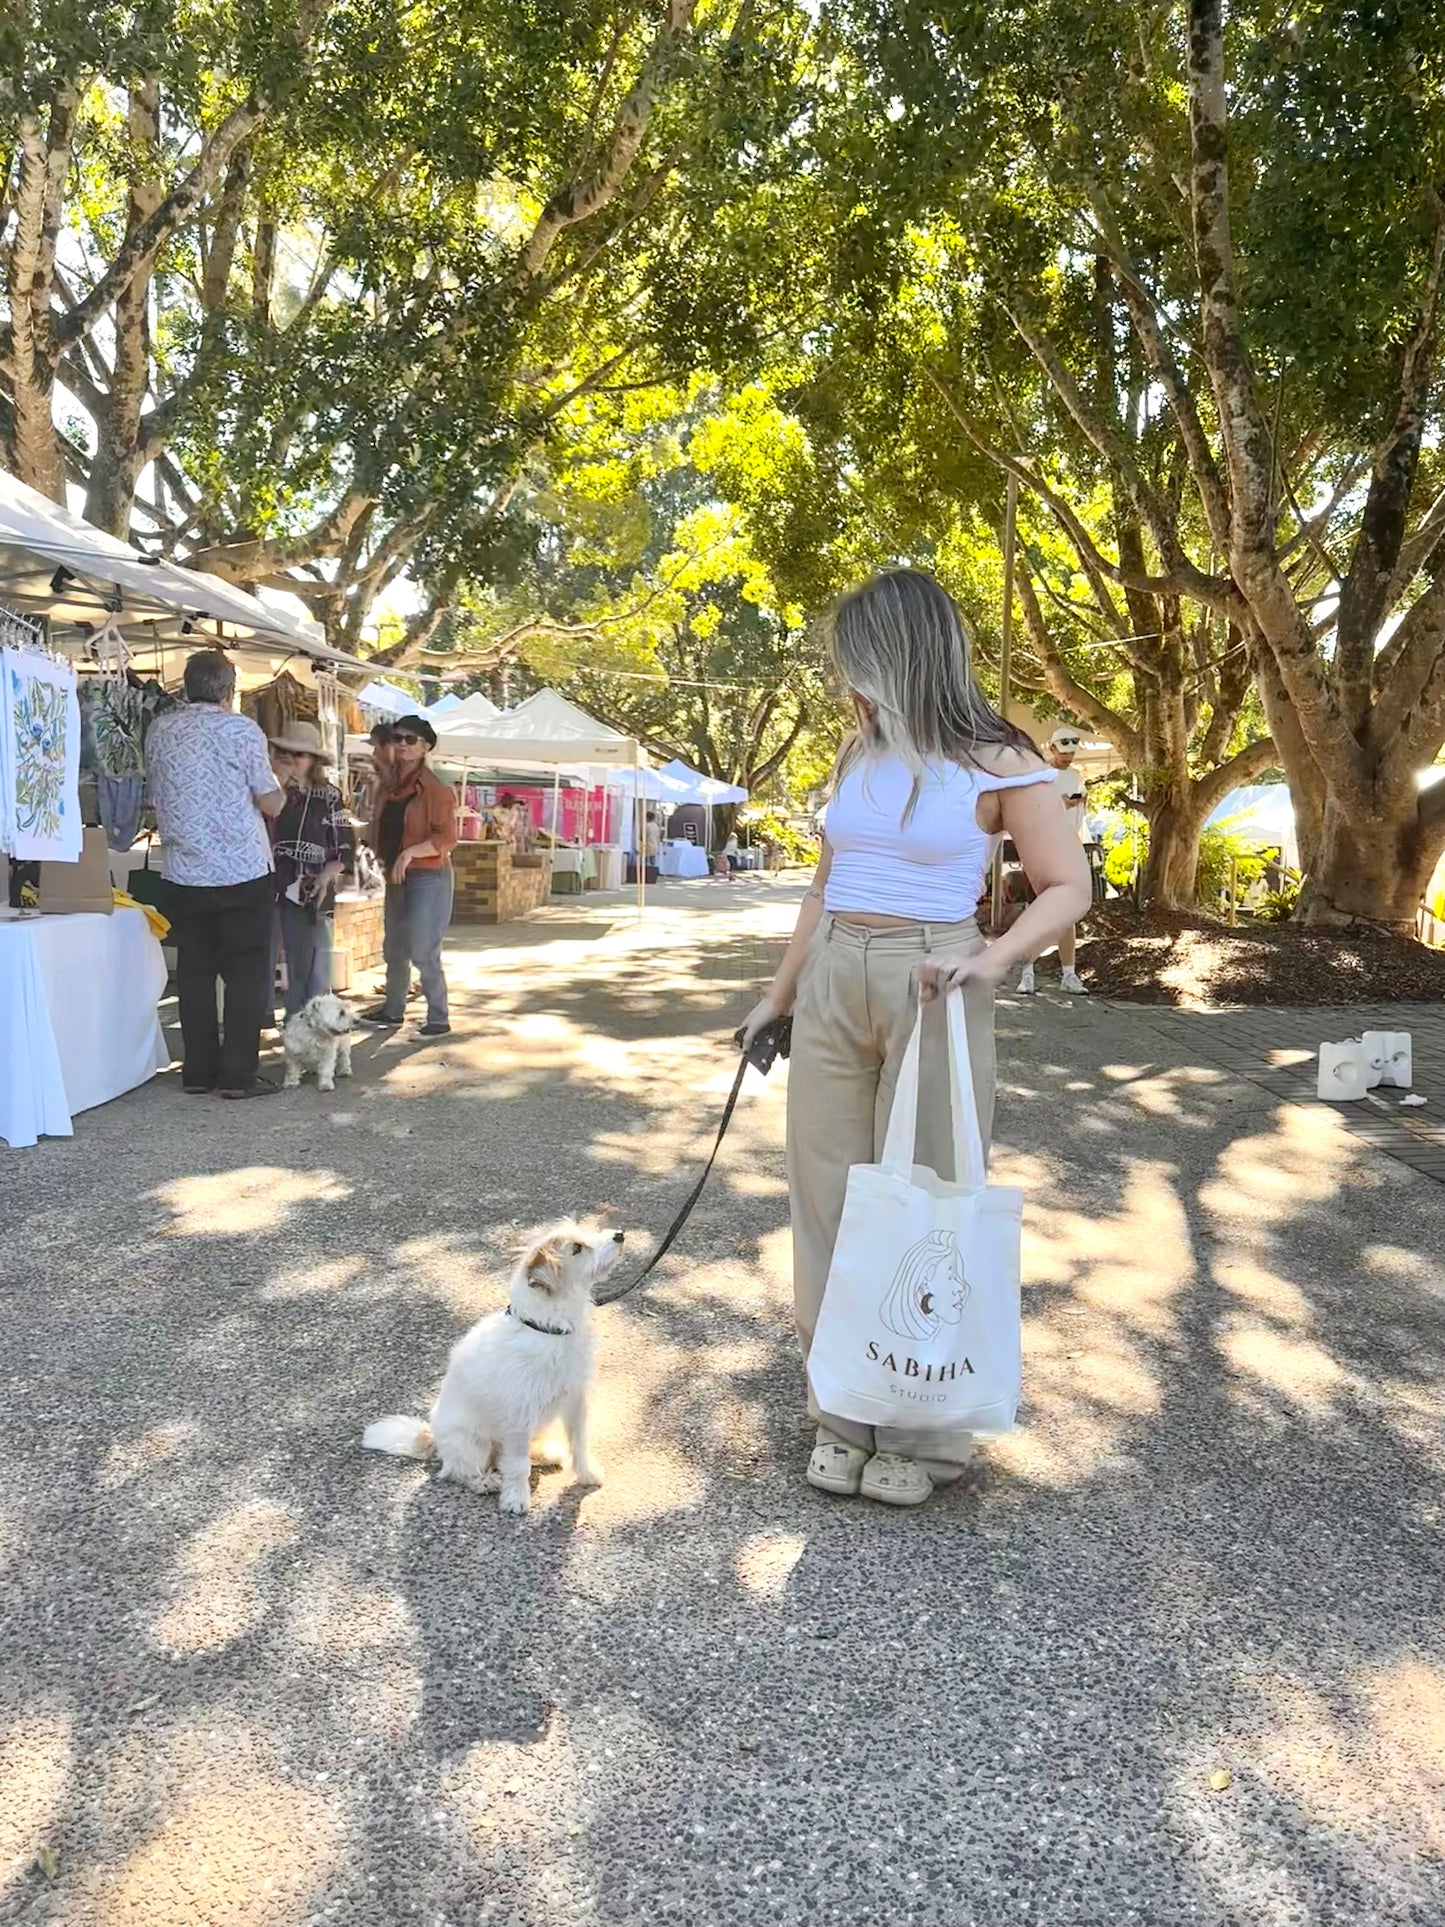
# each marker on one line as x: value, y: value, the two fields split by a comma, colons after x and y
x: 929, y: 1288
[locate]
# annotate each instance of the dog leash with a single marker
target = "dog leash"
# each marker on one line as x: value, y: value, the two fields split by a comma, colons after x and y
x: 771, y: 1042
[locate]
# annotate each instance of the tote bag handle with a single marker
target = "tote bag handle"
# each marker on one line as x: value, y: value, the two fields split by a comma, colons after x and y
x: 970, y: 1166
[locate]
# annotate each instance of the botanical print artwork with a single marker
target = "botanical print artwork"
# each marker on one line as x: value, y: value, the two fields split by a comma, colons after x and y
x: 39, y: 715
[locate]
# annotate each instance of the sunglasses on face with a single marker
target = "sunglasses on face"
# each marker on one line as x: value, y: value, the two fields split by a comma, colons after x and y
x: 406, y: 741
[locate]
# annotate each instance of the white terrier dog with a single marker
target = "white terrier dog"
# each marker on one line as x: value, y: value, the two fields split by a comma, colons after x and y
x: 318, y: 1038
x: 515, y: 1372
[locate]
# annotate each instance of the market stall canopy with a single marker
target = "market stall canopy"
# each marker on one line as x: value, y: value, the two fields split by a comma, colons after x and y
x: 545, y: 732
x: 57, y: 565
x: 387, y: 700
x: 463, y: 709
x: 1261, y: 813
x: 691, y: 786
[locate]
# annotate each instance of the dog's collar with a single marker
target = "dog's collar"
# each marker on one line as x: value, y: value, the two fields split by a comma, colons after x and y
x: 549, y: 1331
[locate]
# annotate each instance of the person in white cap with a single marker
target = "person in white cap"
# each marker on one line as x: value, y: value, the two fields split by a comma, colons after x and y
x: 1063, y: 747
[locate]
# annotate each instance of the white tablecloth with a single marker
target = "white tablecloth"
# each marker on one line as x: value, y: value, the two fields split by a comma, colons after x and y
x: 682, y: 860
x: 78, y: 1023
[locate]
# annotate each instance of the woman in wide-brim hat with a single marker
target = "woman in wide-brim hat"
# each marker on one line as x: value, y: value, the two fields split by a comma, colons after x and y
x: 414, y: 831
x: 306, y: 846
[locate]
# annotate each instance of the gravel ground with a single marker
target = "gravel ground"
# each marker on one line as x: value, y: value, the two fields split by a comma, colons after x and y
x: 1174, y: 1655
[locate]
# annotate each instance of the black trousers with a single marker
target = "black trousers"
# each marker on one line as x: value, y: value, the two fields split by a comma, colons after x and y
x: 222, y: 932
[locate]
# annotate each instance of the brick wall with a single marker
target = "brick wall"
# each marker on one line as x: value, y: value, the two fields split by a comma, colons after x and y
x: 359, y: 926
x: 490, y: 890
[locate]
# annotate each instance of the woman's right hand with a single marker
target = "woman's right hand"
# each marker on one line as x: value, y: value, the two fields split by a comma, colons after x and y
x: 759, y: 1017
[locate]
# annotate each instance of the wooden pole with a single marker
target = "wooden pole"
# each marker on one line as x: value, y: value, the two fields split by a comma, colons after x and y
x: 1005, y: 661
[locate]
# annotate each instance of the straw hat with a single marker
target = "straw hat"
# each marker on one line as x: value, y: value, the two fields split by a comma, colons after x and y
x: 304, y: 738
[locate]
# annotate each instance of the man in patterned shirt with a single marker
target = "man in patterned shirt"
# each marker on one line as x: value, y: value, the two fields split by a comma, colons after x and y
x: 209, y: 776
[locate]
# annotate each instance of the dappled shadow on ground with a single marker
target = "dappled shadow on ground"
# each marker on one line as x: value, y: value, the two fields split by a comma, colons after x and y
x: 250, y: 1674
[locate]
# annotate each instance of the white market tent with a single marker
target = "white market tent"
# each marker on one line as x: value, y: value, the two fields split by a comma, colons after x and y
x: 387, y: 700
x: 464, y: 711
x: 691, y: 786
x: 1261, y: 813
x: 546, y: 732
x: 56, y: 565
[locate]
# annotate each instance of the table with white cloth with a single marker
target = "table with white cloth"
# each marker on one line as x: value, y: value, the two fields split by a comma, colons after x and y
x: 78, y: 1019
x: 682, y: 860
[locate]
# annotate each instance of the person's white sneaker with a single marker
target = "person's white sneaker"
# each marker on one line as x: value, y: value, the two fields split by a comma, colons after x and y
x: 1026, y: 981
x: 1070, y: 981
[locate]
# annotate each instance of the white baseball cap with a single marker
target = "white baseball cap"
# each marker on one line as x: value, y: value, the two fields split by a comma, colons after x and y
x: 1067, y: 738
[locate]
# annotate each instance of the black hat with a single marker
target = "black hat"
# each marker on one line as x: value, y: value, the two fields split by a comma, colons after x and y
x: 415, y: 726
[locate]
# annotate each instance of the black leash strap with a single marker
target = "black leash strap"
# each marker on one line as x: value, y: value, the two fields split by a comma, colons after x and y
x: 769, y: 1044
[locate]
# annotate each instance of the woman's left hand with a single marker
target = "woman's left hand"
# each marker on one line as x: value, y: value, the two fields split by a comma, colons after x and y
x: 957, y: 970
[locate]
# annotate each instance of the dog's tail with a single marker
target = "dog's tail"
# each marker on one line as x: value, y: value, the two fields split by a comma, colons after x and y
x: 404, y: 1438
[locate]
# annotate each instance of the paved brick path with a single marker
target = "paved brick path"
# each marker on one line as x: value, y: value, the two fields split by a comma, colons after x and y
x: 1277, y: 1050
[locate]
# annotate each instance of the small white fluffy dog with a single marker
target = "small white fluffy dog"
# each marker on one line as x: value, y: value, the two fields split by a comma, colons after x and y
x: 515, y: 1372
x: 318, y: 1038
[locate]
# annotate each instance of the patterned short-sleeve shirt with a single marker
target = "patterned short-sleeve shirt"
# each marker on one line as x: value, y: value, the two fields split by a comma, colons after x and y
x: 205, y: 767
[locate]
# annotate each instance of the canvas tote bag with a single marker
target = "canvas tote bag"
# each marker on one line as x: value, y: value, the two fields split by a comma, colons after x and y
x: 920, y: 1325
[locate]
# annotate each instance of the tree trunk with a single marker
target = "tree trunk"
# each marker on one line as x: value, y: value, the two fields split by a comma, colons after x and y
x: 1306, y: 785
x: 1172, y: 866
x: 1372, y: 869
x: 118, y: 456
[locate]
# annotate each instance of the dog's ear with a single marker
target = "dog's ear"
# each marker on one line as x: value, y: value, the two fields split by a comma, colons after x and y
x: 544, y: 1266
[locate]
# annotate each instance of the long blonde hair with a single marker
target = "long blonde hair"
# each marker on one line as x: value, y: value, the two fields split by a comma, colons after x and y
x: 901, y: 643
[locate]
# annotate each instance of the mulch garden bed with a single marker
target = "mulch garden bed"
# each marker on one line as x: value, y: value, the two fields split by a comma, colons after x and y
x: 1162, y: 957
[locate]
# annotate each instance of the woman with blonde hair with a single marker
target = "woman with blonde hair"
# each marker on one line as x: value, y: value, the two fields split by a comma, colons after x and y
x: 931, y: 779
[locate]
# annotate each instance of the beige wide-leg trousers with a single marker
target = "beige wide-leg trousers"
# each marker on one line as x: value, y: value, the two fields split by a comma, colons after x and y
x: 856, y: 1006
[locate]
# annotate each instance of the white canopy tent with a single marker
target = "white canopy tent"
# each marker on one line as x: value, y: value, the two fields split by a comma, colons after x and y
x: 1262, y: 813
x: 387, y: 700
x: 56, y: 565
x: 453, y: 712
x: 547, y: 732
x: 691, y: 786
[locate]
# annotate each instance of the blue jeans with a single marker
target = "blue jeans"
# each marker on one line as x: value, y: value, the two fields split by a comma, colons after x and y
x: 417, y: 914
x: 308, y: 942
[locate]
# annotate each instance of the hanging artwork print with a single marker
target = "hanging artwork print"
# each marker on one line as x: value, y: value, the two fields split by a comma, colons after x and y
x: 39, y: 758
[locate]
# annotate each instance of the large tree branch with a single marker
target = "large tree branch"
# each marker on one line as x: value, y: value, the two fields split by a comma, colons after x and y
x: 146, y: 240
x: 1210, y: 790
x: 1248, y: 442
x: 256, y: 559
x: 1364, y: 595
x: 1065, y: 688
x: 765, y: 771
x: 1216, y: 592
x: 1408, y: 701
x: 1144, y: 314
x: 589, y: 191
x: 1115, y: 451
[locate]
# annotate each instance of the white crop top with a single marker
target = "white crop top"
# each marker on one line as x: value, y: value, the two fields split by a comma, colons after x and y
x: 932, y: 867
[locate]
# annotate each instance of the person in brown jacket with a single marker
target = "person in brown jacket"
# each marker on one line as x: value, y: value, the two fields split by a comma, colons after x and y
x: 413, y: 830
